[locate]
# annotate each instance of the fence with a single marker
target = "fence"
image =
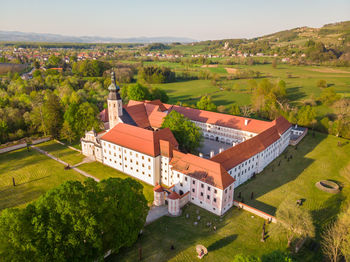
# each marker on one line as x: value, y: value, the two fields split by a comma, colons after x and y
x: 22, y: 145
x: 255, y: 211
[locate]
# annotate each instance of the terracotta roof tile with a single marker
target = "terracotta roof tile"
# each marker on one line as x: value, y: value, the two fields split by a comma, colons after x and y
x: 202, y: 169
x: 139, y: 139
x: 173, y: 195
x: 236, y: 122
x: 247, y: 149
x: 158, y: 188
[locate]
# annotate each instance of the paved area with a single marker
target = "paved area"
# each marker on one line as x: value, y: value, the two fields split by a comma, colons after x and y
x: 209, y: 145
x: 85, y: 160
x: 155, y: 213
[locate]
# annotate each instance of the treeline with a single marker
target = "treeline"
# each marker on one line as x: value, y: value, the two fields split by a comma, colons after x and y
x: 59, y: 106
x: 155, y: 75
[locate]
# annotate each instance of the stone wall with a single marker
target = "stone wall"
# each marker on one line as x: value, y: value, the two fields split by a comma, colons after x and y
x: 15, y: 147
x: 255, y: 211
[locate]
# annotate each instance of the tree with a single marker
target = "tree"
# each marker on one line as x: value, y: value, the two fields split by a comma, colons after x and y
x: 248, y: 258
x: 187, y: 134
x: 294, y: 221
x: 67, y: 132
x: 332, y: 241
x: 329, y: 96
x: 235, y: 110
x: 322, y: 83
x: 75, y: 222
x: 53, y: 114
x: 276, y: 256
x: 157, y: 93
x: 86, y: 118
x: 306, y: 115
x: 138, y: 92
x: 205, y: 103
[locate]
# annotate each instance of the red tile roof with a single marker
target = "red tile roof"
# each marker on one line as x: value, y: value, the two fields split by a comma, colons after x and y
x: 202, y: 169
x: 247, y: 149
x: 236, y: 122
x: 158, y: 188
x: 173, y: 195
x: 139, y: 139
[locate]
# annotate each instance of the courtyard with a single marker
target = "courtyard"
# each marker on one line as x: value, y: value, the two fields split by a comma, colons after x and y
x: 212, y: 145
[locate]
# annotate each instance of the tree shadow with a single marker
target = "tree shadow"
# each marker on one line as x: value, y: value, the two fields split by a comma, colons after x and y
x: 222, y: 242
x: 295, y: 93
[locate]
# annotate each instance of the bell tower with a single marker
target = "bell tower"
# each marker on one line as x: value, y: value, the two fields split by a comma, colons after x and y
x: 114, y: 101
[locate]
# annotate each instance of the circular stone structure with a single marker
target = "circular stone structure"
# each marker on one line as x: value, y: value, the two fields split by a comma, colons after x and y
x: 328, y: 186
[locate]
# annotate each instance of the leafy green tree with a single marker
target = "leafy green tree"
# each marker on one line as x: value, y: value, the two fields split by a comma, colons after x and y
x: 86, y: 118
x: 322, y: 83
x: 187, y: 134
x: 75, y: 222
x: 329, y: 96
x: 155, y: 75
x: 247, y: 258
x: 138, y: 92
x: 54, y: 61
x: 3, y: 131
x: 235, y: 110
x: 277, y: 256
x: 294, y: 221
x: 53, y: 114
x: 306, y: 116
x: 205, y: 103
x: 67, y: 132
x: 157, y: 93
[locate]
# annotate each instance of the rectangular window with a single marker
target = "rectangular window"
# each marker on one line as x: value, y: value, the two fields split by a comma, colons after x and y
x: 215, y: 191
x: 208, y: 197
x: 194, y: 182
x: 201, y: 193
x: 185, y: 178
x: 208, y: 188
x: 193, y: 190
x: 215, y: 199
x: 202, y: 186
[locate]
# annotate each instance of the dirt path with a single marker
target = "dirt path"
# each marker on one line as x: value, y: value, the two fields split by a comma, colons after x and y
x: 231, y: 70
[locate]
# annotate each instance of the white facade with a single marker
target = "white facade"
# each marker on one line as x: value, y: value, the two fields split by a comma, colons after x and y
x: 141, y: 166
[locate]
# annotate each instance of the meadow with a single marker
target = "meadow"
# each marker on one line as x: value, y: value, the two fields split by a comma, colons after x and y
x: 301, y: 83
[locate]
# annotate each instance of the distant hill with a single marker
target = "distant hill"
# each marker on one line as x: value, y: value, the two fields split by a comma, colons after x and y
x: 14, y: 36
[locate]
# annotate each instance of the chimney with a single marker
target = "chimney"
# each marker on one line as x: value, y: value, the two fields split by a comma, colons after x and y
x: 211, y: 153
x: 221, y: 149
x: 246, y: 122
x: 201, y: 155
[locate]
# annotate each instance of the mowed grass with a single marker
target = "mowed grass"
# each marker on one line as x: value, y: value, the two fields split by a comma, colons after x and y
x: 62, y: 152
x: 102, y: 171
x: 34, y: 174
x: 238, y: 232
x: 316, y: 158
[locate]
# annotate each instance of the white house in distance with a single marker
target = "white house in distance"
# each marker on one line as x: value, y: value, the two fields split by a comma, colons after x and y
x: 135, y: 144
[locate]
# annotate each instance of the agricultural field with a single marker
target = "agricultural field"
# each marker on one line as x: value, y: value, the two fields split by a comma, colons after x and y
x: 301, y: 82
x: 316, y: 158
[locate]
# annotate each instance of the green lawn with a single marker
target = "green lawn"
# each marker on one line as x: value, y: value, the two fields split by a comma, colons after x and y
x: 101, y: 171
x: 238, y: 232
x: 34, y: 174
x: 316, y: 158
x: 62, y: 152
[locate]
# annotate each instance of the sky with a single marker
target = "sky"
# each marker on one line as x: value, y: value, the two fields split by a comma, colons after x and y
x: 197, y: 19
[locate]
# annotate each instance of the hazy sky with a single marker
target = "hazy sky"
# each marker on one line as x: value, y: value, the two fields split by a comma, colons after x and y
x: 198, y: 19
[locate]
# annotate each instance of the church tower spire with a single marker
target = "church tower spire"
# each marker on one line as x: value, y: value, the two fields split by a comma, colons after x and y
x: 114, y: 101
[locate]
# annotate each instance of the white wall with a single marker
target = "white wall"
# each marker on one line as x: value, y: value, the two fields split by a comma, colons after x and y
x: 138, y: 165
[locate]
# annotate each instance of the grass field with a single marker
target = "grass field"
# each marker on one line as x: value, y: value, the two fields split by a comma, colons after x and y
x: 301, y: 84
x: 316, y: 158
x: 101, y: 171
x: 34, y: 174
x: 238, y: 232
x: 62, y: 152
